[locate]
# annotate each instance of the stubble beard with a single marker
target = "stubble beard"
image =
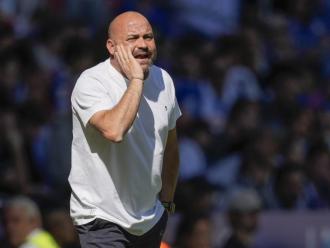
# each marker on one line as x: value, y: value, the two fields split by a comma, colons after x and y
x: 152, y: 60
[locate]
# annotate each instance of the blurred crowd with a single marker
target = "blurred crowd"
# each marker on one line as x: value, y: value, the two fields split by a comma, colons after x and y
x: 252, y: 79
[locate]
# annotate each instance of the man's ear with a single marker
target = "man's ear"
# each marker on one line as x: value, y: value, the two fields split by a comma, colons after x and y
x: 111, y: 47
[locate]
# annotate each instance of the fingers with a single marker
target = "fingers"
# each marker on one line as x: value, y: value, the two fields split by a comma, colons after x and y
x: 124, y: 55
x: 129, y: 65
x: 119, y: 55
x: 124, y: 52
x: 129, y: 53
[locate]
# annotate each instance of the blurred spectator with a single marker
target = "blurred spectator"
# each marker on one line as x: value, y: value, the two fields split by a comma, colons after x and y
x: 23, y: 225
x: 254, y: 41
x: 323, y: 125
x: 194, y: 231
x: 20, y: 12
x: 239, y: 80
x: 242, y: 125
x: 243, y: 216
x: 305, y: 27
x: 197, y: 16
x: 96, y: 12
x: 195, y: 196
x: 318, y: 170
x: 241, y: 128
x: 15, y: 173
x: 287, y: 85
x: 194, y: 142
x: 194, y: 92
x: 288, y: 190
x: 231, y: 77
x: 58, y: 222
x: 255, y: 173
x: 279, y: 44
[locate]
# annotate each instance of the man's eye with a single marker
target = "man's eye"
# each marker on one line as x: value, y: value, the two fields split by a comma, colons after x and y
x: 148, y: 37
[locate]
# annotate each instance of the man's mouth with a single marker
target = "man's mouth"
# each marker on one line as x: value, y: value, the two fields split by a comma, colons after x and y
x: 143, y: 57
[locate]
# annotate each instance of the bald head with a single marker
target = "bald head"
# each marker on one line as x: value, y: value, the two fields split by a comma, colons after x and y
x: 120, y: 23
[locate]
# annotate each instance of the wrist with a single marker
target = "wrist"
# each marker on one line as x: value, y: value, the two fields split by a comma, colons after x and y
x: 169, y: 206
x: 138, y: 78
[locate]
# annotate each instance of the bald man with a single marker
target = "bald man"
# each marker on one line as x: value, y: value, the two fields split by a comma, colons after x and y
x: 23, y: 225
x: 124, y: 149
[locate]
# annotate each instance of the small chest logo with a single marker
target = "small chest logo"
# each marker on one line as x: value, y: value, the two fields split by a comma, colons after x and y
x: 165, y: 108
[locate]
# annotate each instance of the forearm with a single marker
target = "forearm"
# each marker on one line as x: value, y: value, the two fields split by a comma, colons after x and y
x: 115, y: 123
x: 169, y: 181
x: 170, y: 171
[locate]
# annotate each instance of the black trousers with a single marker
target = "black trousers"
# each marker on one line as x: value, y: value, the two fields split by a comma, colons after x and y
x: 101, y: 234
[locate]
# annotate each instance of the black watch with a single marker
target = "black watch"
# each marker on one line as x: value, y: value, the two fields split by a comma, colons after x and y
x: 169, y: 206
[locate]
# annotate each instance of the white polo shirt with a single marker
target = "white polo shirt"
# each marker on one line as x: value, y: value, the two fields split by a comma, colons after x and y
x: 120, y: 182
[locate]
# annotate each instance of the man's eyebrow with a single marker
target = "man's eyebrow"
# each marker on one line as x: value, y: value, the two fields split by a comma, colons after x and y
x: 135, y: 34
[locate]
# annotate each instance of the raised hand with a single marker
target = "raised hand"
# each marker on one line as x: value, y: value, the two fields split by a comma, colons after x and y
x: 128, y: 64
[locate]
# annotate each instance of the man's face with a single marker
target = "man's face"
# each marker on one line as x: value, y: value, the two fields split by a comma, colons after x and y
x: 137, y: 34
x: 17, y: 225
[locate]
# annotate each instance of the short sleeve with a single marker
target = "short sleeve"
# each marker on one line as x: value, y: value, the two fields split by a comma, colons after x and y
x: 175, y: 110
x: 175, y: 114
x: 88, y: 97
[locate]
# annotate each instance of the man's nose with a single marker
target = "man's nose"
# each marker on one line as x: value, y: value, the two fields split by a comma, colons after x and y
x: 141, y: 43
